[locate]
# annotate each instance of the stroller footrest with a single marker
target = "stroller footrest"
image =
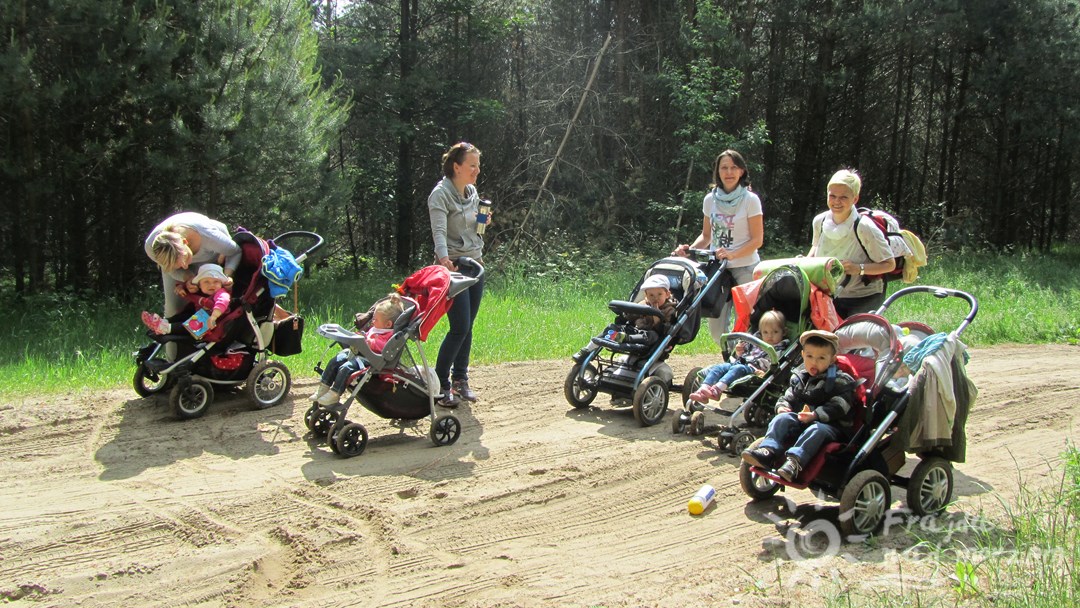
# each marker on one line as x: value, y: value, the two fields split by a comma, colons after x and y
x: 157, y: 365
x: 620, y: 347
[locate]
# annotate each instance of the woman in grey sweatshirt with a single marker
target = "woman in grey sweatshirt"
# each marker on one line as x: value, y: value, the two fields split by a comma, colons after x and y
x: 452, y: 208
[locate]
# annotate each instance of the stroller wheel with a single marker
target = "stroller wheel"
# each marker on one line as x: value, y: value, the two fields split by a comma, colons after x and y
x: 756, y: 486
x: 332, y: 432
x: 691, y: 383
x: 192, y: 399
x: 650, y: 401
x: 757, y: 415
x: 697, y: 423
x: 148, y: 383
x: 678, y: 421
x: 580, y: 385
x: 350, y: 440
x: 741, y: 441
x: 268, y: 384
x: 930, y: 487
x: 723, y: 441
x: 309, y: 416
x: 863, y: 503
x: 321, y: 421
x: 445, y: 430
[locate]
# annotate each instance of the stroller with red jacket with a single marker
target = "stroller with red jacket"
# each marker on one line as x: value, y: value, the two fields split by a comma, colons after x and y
x: 397, y: 383
x: 900, y: 416
x: 237, y: 351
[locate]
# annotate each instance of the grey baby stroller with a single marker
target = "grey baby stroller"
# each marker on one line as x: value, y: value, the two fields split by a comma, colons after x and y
x: 398, y: 383
x: 635, y: 374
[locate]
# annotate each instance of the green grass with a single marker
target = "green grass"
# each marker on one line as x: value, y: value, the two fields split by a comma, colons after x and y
x: 531, y: 311
x: 1025, y: 558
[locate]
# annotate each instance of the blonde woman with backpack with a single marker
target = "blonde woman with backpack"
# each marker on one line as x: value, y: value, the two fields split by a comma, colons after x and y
x: 864, y: 254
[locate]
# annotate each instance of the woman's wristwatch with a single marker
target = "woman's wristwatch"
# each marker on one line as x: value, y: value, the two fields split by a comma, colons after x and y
x: 862, y: 269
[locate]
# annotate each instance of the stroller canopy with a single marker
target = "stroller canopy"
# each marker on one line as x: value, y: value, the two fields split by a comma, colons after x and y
x: 429, y: 286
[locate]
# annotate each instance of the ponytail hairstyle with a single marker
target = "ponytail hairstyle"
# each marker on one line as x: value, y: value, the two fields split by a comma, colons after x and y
x: 168, y: 248
x: 390, y: 307
x: 456, y: 155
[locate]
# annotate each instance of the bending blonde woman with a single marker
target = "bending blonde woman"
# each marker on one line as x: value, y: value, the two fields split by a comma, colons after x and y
x: 183, y: 243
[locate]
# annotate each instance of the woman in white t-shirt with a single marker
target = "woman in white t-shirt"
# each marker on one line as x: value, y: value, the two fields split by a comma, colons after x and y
x: 865, y: 253
x: 732, y: 227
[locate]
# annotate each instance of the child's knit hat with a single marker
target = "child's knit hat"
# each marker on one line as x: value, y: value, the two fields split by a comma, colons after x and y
x: 210, y: 271
x: 656, y: 281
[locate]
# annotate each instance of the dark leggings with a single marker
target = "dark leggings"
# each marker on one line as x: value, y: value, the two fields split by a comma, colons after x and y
x: 845, y: 307
x: 457, y: 344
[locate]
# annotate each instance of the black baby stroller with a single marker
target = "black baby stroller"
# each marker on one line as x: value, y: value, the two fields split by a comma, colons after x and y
x: 785, y: 286
x: 393, y: 385
x: 237, y: 351
x: 635, y: 373
x: 861, y: 472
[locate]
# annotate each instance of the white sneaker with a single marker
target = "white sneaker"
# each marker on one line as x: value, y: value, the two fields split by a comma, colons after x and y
x: 330, y: 398
x: 319, y: 392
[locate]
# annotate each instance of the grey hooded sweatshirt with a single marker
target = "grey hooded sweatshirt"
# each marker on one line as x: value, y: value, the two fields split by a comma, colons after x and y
x: 453, y: 221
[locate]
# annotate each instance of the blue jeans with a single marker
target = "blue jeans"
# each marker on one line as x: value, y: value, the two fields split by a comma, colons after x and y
x: 457, y: 345
x: 338, y: 370
x: 785, y: 428
x: 726, y: 373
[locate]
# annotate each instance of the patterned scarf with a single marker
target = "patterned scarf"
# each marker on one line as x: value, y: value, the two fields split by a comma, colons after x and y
x: 728, y: 202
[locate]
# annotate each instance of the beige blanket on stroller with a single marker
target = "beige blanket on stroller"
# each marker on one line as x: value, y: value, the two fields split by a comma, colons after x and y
x: 941, y: 396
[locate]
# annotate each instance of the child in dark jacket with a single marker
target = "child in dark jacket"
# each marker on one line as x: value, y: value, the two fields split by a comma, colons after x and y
x: 816, y: 409
x: 646, y: 329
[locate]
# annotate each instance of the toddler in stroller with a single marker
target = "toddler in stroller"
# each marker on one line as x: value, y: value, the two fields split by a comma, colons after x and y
x: 634, y: 371
x: 748, y: 359
x: 826, y: 395
x: 783, y: 292
x: 236, y: 351
x: 646, y: 328
x: 347, y: 362
x: 394, y: 384
x: 212, y: 296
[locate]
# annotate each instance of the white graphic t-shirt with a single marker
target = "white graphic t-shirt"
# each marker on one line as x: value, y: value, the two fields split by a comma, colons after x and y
x: 731, y: 226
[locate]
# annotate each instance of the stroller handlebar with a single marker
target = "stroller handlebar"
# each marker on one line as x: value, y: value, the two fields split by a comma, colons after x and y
x: 469, y: 273
x: 736, y: 337
x: 701, y: 256
x: 937, y: 292
x: 473, y: 268
x: 292, y: 234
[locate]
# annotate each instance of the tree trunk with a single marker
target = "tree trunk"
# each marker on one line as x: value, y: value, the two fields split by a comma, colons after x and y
x: 807, y: 163
x: 403, y: 187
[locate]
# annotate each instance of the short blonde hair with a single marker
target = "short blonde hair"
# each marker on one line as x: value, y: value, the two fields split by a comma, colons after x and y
x: 775, y: 318
x: 845, y: 177
x: 168, y: 247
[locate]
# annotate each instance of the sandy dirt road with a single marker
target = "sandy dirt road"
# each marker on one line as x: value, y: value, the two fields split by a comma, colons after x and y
x: 106, y: 500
